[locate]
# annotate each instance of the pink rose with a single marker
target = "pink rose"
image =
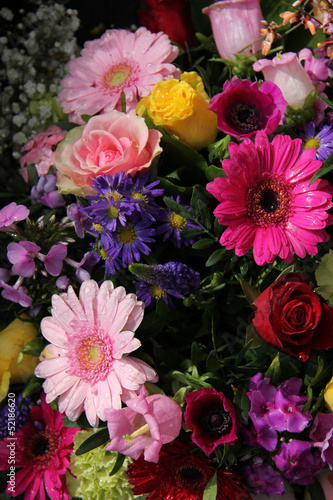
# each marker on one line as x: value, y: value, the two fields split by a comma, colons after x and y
x: 106, y: 145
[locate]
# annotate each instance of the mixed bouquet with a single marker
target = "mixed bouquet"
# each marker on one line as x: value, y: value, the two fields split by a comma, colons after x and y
x: 166, y: 253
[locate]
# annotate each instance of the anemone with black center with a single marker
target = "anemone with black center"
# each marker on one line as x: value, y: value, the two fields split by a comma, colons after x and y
x: 217, y: 422
x: 245, y: 117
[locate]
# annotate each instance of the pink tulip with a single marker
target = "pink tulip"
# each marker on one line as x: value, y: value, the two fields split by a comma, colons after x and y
x: 288, y: 74
x: 235, y: 24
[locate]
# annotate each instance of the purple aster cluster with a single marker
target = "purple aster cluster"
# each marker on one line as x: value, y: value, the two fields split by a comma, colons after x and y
x: 22, y: 415
x: 174, y: 225
x: 275, y: 409
x: 122, y: 213
x: 161, y: 281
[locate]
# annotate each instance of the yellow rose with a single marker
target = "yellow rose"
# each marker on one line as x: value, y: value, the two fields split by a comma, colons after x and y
x: 328, y: 395
x: 16, y: 367
x: 181, y: 108
x: 324, y: 277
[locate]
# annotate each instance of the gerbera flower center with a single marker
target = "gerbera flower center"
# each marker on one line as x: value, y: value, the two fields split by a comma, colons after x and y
x: 313, y: 142
x: 39, y: 447
x: 217, y: 422
x: 127, y: 235
x: 245, y: 117
x: 191, y: 477
x: 177, y: 221
x: 269, y: 201
x: 90, y: 352
x: 117, y: 77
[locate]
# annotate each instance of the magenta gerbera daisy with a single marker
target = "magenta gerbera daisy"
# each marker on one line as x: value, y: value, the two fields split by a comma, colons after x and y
x: 268, y: 202
x: 41, y: 451
x: 84, y: 364
x: 119, y: 61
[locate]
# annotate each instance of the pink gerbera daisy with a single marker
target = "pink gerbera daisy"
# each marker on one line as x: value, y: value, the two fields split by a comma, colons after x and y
x: 120, y: 61
x: 42, y: 450
x: 268, y: 202
x: 84, y: 364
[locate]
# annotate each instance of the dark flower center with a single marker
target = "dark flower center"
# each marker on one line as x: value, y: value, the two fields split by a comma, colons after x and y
x: 269, y: 201
x: 190, y: 473
x: 191, y: 476
x: 41, y: 446
x: 245, y: 117
x: 217, y: 422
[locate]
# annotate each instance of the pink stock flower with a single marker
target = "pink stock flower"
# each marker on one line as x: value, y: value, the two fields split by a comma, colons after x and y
x: 84, y: 364
x: 235, y: 24
x: 42, y: 455
x: 54, y: 259
x: 40, y: 151
x: 12, y: 213
x: 211, y: 418
x: 22, y: 255
x: 267, y: 201
x: 146, y: 424
x: 288, y: 74
x: 106, y: 145
x: 120, y: 61
x: 242, y: 109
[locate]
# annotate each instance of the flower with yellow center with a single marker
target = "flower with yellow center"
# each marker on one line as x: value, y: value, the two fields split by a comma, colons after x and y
x: 181, y: 108
x: 16, y: 367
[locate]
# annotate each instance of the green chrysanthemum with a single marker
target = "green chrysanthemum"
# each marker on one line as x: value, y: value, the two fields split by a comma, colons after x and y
x: 324, y: 277
x: 92, y: 471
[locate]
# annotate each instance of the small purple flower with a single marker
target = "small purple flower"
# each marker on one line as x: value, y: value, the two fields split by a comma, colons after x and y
x: 84, y: 267
x: 81, y: 222
x: 22, y: 415
x: 53, y: 261
x: 299, y: 461
x: 174, y: 225
x: 322, y: 436
x: 262, y: 478
x: 10, y: 214
x: 22, y: 256
x: 321, y: 142
x: 16, y: 293
x: 46, y: 192
x: 62, y: 282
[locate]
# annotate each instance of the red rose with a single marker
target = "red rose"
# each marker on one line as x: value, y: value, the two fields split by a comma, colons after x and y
x: 173, y: 17
x: 291, y: 317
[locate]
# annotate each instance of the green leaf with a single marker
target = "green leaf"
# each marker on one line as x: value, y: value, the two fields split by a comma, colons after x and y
x: 196, y: 353
x: 204, y: 214
x: 32, y: 175
x: 66, y: 125
x: 242, y: 401
x: 33, y: 386
x: 94, y: 441
x: 251, y: 293
x: 326, y: 167
x: 210, y: 492
x: 274, y: 370
x: 34, y: 347
x: 212, y: 172
x: 316, y: 491
x: 215, y: 257
x: 117, y: 466
x: 326, y: 101
x: 123, y: 101
x: 203, y: 243
x: 178, y: 208
x: 212, y: 362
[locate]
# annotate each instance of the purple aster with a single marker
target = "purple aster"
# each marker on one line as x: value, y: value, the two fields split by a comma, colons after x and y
x: 262, y: 478
x: 22, y: 415
x: 174, y: 225
x: 139, y: 190
x: 126, y: 245
x: 299, y: 461
x: 321, y: 142
x: 172, y: 278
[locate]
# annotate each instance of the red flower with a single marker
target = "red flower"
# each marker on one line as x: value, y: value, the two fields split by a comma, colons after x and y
x: 171, y: 16
x: 181, y: 475
x: 291, y: 317
x: 211, y: 418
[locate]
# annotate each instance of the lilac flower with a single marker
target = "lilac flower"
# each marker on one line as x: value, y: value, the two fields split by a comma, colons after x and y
x: 174, y: 225
x: 260, y: 435
x: 262, y: 478
x: 62, y: 282
x: 322, y: 142
x: 81, y: 222
x: 322, y: 436
x: 46, y: 192
x: 84, y: 267
x: 53, y: 260
x: 16, y: 293
x: 22, y: 256
x: 10, y: 214
x: 261, y: 398
x: 299, y: 461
